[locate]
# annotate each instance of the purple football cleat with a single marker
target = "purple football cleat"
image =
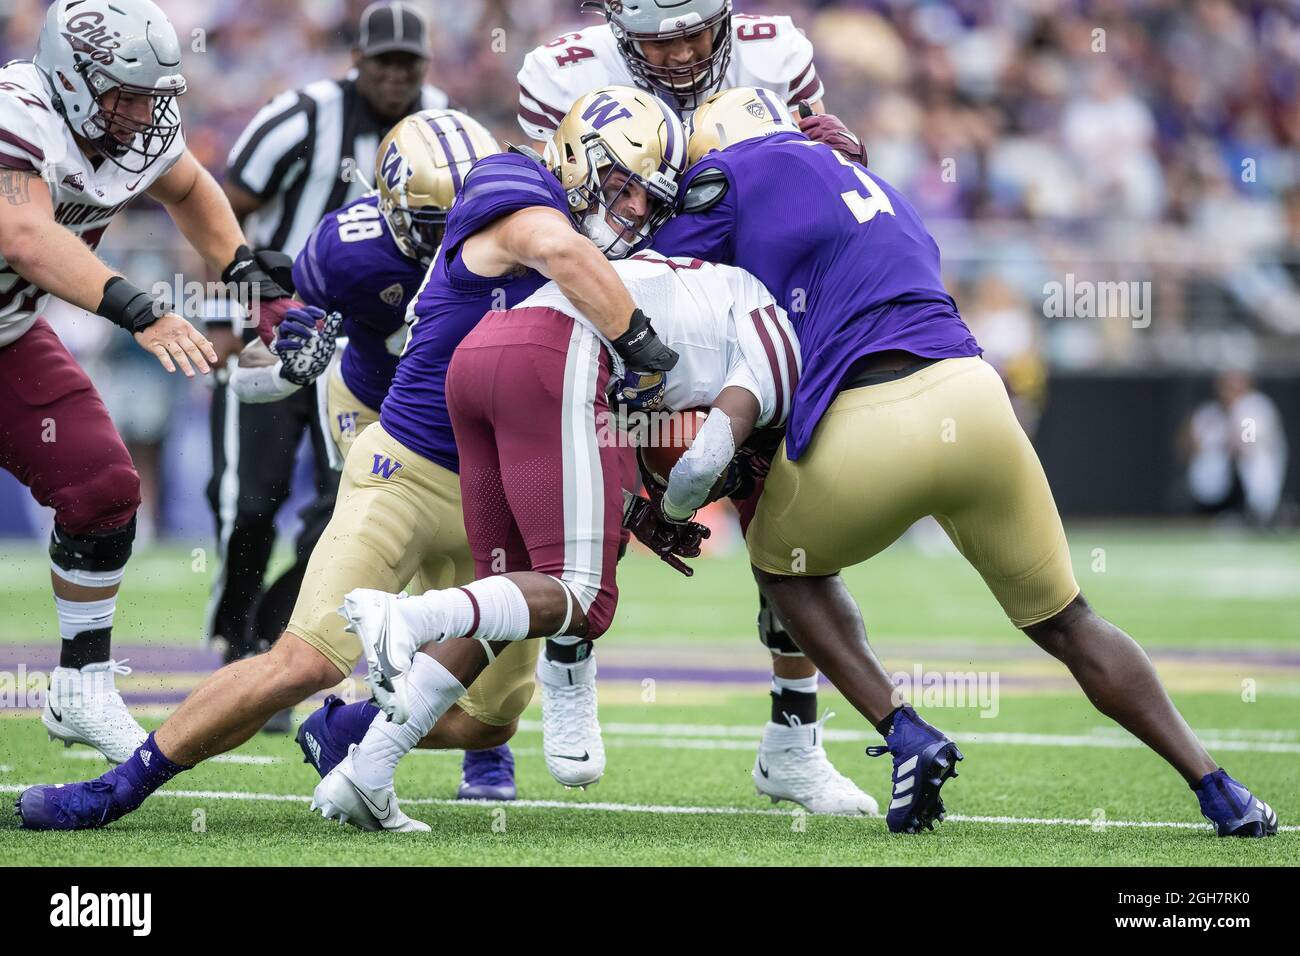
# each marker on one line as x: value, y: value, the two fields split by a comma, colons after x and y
x: 923, y: 759
x: 488, y: 775
x: 324, y: 737
x: 1233, y: 809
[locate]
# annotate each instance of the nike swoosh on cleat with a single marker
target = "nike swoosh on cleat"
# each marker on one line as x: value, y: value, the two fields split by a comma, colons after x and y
x: 381, y: 813
x: 762, y: 769
x: 57, y: 716
x: 585, y: 757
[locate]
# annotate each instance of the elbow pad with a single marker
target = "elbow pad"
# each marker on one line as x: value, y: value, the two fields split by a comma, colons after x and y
x: 696, y: 472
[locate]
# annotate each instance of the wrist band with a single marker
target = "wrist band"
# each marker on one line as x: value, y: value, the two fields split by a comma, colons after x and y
x: 126, y: 306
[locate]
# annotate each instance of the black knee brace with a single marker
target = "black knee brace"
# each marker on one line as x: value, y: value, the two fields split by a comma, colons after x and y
x: 772, y: 633
x: 92, y: 552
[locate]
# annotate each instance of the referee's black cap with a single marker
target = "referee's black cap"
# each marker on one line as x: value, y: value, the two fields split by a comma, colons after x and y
x: 388, y: 27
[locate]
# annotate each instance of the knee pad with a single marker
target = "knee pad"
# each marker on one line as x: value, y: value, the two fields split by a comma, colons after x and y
x: 772, y: 633
x: 93, y: 560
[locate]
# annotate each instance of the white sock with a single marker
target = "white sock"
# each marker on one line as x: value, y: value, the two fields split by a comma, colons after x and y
x: 430, y: 691
x: 800, y: 685
x: 77, y: 617
x: 491, y: 609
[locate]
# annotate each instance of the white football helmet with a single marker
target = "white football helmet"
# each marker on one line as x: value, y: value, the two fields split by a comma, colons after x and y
x: 92, y: 53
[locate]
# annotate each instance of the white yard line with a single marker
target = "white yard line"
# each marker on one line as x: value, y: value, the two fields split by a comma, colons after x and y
x: 88, y: 754
x: 666, y: 809
x: 723, y: 737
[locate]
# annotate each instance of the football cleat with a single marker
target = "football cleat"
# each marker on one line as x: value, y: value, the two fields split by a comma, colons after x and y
x: 571, y: 741
x: 488, y: 775
x: 792, y: 765
x: 1233, y: 809
x: 388, y: 643
x: 923, y: 759
x: 84, y: 707
x: 340, y: 796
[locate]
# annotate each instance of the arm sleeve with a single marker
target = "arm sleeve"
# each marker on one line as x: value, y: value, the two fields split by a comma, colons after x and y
x: 260, y: 385
x: 273, y: 143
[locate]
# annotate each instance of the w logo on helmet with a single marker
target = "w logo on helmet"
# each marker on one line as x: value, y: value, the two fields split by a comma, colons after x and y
x: 603, y: 110
x: 393, y: 167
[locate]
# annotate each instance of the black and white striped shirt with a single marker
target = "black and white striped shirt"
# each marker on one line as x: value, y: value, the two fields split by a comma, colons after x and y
x: 291, y: 153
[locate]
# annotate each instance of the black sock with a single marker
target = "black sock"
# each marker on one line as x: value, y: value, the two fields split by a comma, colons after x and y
x: 88, y: 647
x: 885, y: 726
x: 567, y: 653
x: 792, y: 707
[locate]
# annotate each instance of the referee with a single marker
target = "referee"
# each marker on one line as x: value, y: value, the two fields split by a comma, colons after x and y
x: 284, y: 174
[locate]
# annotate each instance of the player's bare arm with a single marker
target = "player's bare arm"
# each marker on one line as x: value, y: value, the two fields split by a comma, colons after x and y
x: 695, y: 477
x: 544, y: 240
x: 53, y: 258
x: 200, y: 210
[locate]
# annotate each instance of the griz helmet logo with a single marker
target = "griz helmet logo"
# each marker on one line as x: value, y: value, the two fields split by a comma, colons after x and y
x: 87, y: 35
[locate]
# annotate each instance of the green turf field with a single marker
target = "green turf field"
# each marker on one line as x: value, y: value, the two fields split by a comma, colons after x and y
x: 1046, y: 779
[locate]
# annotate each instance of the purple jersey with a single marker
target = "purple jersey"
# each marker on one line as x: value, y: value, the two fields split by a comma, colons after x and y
x: 352, y: 265
x: 453, y: 299
x: 845, y: 254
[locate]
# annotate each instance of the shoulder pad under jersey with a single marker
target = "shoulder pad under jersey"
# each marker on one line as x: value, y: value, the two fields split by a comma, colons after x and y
x: 706, y: 190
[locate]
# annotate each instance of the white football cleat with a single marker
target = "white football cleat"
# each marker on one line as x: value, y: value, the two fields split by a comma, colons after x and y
x: 792, y: 765
x: 84, y: 707
x: 571, y: 742
x: 388, y: 643
x: 340, y: 796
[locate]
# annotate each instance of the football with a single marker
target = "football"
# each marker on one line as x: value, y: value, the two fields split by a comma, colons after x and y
x: 665, y: 439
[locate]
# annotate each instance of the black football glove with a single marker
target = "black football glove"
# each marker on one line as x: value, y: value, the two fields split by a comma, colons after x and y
x: 265, y: 283
x: 642, y: 350
x: 670, y: 540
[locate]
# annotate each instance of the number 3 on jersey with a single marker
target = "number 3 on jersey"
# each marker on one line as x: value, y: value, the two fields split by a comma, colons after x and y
x: 864, y: 208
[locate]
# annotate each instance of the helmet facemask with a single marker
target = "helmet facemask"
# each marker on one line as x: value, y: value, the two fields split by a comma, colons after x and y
x: 609, y: 182
x: 130, y: 144
x: 418, y: 232
x: 689, y: 83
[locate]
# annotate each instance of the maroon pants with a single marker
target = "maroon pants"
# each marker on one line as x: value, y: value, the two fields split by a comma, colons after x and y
x: 57, y: 438
x: 541, y: 470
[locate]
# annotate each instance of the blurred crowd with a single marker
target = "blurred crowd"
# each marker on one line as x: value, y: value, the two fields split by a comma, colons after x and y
x: 1154, y: 143
x: 1138, y: 140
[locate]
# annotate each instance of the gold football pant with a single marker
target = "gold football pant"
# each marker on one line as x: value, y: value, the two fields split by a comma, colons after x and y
x: 398, y: 520
x: 942, y: 441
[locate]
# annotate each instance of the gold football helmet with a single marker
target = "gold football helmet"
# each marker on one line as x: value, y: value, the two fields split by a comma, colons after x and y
x: 736, y: 115
x: 614, y: 146
x: 418, y: 171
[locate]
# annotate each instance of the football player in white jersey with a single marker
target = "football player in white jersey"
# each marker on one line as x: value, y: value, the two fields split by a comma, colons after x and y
x: 88, y: 125
x: 737, y: 354
x: 683, y: 51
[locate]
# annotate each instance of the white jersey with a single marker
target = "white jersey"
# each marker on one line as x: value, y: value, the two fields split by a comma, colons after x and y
x: 766, y: 51
x: 721, y: 321
x: 35, y: 139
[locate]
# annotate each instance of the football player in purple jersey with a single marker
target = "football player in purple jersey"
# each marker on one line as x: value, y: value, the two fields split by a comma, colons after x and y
x: 896, y: 417
x: 514, y: 226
